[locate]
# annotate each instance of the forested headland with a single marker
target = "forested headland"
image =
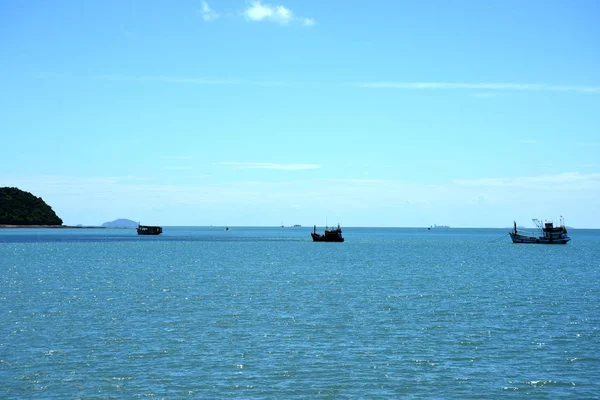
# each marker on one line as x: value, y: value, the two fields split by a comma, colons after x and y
x: 18, y: 207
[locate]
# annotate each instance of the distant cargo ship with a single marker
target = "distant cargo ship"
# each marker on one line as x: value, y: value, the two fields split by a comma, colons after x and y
x: 438, y: 227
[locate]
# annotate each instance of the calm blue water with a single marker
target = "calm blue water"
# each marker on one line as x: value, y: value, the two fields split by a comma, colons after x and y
x: 259, y: 313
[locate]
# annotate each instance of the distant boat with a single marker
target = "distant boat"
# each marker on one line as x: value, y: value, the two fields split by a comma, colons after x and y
x: 330, y: 235
x: 297, y: 226
x: 438, y: 227
x: 550, y: 234
x: 149, y: 230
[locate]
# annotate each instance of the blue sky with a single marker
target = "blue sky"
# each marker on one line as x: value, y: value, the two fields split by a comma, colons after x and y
x: 384, y: 113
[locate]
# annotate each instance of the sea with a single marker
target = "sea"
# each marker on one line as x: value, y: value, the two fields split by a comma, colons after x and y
x: 265, y: 313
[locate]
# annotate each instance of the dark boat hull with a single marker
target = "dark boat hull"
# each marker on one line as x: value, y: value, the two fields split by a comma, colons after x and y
x: 149, y: 230
x: 326, y: 238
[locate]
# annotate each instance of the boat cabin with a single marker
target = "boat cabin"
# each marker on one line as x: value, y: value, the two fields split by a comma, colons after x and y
x: 553, y: 233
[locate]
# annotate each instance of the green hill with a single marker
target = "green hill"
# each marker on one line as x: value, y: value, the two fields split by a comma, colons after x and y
x: 18, y: 207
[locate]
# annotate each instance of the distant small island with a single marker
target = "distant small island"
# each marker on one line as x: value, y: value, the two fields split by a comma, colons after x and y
x: 21, y: 208
x: 120, y: 223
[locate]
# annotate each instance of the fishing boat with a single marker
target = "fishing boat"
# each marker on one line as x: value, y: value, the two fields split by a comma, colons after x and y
x: 330, y: 235
x: 550, y: 234
x: 149, y: 230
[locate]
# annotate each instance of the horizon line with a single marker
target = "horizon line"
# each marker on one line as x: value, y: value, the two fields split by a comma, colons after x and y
x: 440, y: 227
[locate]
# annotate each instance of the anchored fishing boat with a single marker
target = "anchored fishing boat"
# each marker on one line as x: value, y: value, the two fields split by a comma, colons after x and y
x: 149, y: 230
x: 331, y: 235
x: 550, y: 234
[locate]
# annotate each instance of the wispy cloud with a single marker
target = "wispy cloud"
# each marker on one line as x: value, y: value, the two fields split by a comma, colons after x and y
x: 493, y: 89
x: 588, y: 144
x: 263, y: 165
x: 208, y: 14
x: 475, y: 86
x: 171, y: 79
x: 211, y: 200
x: 176, y: 157
x: 259, y: 12
x: 204, y: 81
x: 307, y: 21
x: 177, y: 168
x: 565, y: 180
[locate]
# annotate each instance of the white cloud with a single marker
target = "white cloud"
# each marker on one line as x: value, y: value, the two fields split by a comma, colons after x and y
x: 263, y: 165
x: 562, y: 181
x: 258, y: 12
x: 308, y: 21
x: 207, y: 13
x: 480, y: 200
x: 496, y: 87
x: 588, y: 144
x: 177, y: 168
x: 475, y: 86
x: 261, y: 12
x: 357, y: 202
